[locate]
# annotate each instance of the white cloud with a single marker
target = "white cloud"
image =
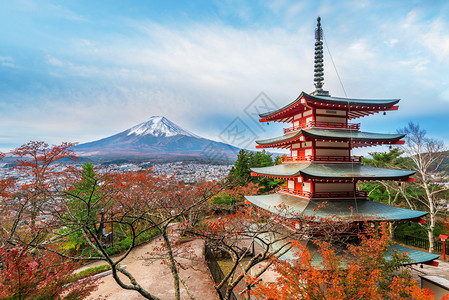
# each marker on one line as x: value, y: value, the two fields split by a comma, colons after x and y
x: 391, y: 42
x: 6, y: 61
x: 197, y: 72
x: 54, y: 61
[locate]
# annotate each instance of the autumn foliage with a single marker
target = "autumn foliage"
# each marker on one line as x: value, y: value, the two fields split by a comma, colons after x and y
x: 23, y: 276
x: 360, y: 272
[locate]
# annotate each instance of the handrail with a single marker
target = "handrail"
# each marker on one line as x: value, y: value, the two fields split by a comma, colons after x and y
x: 335, y: 125
x: 322, y: 194
x: 294, y: 192
x: 337, y: 158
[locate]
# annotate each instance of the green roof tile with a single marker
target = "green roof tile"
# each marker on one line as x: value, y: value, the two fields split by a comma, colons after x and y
x: 416, y: 256
x: 336, y: 100
x: 334, y: 134
x: 332, y: 171
x: 357, y: 210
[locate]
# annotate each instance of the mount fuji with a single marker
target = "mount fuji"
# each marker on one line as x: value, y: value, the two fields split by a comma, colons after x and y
x: 156, y: 139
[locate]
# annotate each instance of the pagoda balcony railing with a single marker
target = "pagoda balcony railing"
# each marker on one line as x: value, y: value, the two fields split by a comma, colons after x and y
x: 357, y: 194
x: 333, y: 125
x: 288, y: 159
x: 284, y: 189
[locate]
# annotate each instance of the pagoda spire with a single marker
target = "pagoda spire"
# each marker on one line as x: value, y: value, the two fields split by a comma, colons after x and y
x: 319, y: 66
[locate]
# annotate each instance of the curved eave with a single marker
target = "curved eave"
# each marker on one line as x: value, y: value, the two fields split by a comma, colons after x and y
x: 355, y: 210
x: 356, y: 107
x: 283, y: 114
x: 416, y: 256
x: 358, y: 139
x: 332, y: 171
x: 279, y: 142
x: 362, y: 103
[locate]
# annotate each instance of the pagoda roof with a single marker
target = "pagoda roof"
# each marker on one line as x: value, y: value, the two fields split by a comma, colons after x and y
x: 332, y: 171
x: 292, y: 207
x: 416, y: 256
x: 356, y: 107
x: 359, y: 138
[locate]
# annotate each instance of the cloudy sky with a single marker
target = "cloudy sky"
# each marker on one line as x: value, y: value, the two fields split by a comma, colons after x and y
x: 83, y: 70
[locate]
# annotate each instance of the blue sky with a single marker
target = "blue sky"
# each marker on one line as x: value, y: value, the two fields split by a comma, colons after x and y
x: 83, y: 70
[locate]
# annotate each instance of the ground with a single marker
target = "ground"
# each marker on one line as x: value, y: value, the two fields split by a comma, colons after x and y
x: 442, y: 270
x: 156, y: 276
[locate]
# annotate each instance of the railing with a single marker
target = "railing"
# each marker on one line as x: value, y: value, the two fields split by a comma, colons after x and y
x: 322, y: 194
x: 420, y: 242
x: 288, y: 159
x: 283, y: 189
x: 339, y: 194
x: 334, y: 125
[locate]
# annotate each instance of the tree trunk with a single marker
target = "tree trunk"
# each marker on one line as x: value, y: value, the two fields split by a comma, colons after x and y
x: 432, y: 216
x: 172, y: 262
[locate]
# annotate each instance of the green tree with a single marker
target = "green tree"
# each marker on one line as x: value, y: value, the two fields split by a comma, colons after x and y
x: 85, y: 193
x: 240, y: 174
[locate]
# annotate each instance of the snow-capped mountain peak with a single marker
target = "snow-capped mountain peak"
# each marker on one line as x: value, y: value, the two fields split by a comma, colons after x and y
x: 159, y: 126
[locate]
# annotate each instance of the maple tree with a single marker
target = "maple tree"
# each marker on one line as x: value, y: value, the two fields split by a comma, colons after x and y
x: 252, y: 238
x: 135, y: 203
x: 363, y: 271
x: 38, y: 165
x: 66, y: 211
x: 23, y: 276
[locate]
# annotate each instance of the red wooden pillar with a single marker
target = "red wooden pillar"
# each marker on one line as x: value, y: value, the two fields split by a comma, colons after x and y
x: 443, y: 238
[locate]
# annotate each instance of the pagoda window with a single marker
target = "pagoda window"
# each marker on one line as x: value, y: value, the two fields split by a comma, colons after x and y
x: 294, y: 153
x: 308, y: 152
x: 297, y: 117
x: 291, y: 184
x: 307, y: 113
x: 309, y: 120
x: 306, y: 187
x: 296, y: 146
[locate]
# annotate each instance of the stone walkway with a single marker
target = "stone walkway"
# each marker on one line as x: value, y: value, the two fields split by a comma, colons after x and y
x: 156, y: 277
x: 442, y: 270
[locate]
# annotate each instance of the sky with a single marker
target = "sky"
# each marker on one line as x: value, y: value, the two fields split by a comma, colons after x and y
x: 79, y: 71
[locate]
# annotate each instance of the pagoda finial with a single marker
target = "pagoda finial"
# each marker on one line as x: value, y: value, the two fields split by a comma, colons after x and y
x: 319, y: 66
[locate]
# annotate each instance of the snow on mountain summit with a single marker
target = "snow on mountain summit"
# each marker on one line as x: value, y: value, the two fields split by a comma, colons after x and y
x: 159, y: 126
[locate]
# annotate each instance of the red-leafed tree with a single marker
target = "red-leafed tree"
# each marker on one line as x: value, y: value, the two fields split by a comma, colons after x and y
x: 250, y: 240
x: 133, y: 203
x: 38, y: 166
x: 23, y: 276
x: 362, y: 272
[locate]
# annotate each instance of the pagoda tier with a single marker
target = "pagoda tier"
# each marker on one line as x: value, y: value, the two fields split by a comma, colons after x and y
x: 315, y: 105
x: 353, y: 139
x: 416, y: 256
x: 328, y: 180
x: 332, y: 172
x: 352, y: 210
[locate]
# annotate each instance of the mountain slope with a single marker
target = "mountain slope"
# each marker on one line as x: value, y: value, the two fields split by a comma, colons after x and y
x: 157, y: 138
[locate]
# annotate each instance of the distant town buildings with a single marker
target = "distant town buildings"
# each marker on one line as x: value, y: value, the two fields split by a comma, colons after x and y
x: 188, y: 172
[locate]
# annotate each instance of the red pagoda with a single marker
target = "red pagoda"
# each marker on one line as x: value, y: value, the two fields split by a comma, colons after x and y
x: 320, y: 171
